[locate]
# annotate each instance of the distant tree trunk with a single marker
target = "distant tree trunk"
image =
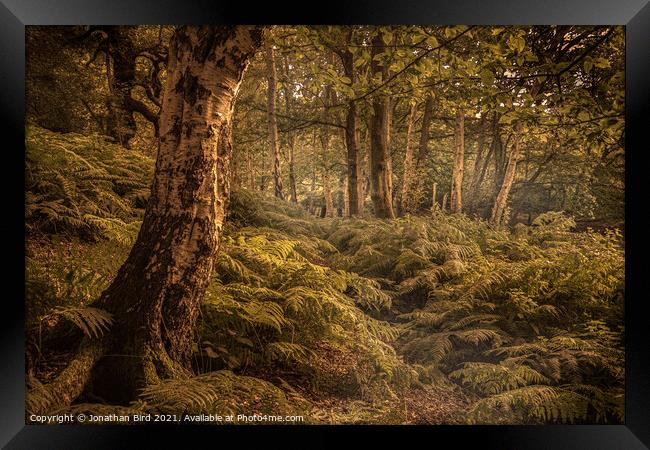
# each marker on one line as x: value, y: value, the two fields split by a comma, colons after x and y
x: 380, y: 175
x: 407, y: 179
x: 509, y: 176
x: 434, y: 195
x: 121, y: 71
x: 499, y: 154
x: 155, y: 296
x: 443, y: 204
x: 479, y: 163
x: 291, y: 140
x: 341, y: 198
x: 327, y: 185
x: 365, y: 167
x: 312, y: 189
x: 422, y: 151
x: 346, y: 200
x: 459, y: 158
x: 292, y: 171
x: 312, y: 193
x: 355, y: 190
x: 327, y: 190
x: 273, y: 122
x: 251, y: 171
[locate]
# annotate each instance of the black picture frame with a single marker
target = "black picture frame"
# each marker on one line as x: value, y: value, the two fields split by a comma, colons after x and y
x: 634, y: 14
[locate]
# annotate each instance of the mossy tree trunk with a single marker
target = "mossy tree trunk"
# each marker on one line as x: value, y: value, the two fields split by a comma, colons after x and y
x: 156, y: 295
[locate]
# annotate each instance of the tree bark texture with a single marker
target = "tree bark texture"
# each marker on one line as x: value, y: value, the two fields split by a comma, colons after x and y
x: 156, y: 294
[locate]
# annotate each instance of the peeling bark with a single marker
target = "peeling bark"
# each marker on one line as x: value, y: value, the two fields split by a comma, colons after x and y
x: 155, y: 297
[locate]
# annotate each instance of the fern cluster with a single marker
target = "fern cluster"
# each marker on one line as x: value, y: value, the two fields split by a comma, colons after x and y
x: 84, y: 186
x: 272, y: 304
x: 527, y: 324
x: 529, y: 321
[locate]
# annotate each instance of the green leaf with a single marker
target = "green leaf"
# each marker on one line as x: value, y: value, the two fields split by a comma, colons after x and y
x: 601, y: 63
x: 487, y: 77
x: 387, y: 37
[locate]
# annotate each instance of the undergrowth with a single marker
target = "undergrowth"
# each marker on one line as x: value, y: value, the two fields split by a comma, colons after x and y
x: 303, y: 314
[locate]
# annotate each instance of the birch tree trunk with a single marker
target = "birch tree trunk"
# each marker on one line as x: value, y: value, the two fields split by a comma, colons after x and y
x: 273, y: 122
x: 155, y: 296
x: 508, y: 178
x: 459, y: 158
x: 407, y: 179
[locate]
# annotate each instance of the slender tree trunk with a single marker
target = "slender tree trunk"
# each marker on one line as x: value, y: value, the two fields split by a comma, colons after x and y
x: 155, y: 297
x: 291, y: 140
x: 354, y: 187
x: 499, y: 154
x: 327, y: 185
x: 434, y: 195
x: 423, y: 150
x: 477, y: 167
x: 327, y: 191
x: 366, y: 169
x: 312, y: 190
x: 459, y: 158
x: 380, y: 176
x: 251, y: 172
x: 407, y: 179
x: 353, y: 159
x: 443, y: 204
x: 509, y: 176
x: 346, y: 200
x: 292, y: 171
x: 273, y: 122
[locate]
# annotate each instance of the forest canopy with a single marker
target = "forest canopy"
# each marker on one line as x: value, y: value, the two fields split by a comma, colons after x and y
x: 351, y: 224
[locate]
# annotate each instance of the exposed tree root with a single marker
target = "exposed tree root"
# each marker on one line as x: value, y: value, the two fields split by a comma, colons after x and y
x: 70, y: 383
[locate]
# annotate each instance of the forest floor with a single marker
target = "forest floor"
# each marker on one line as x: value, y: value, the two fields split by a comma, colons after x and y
x: 429, y: 405
x: 428, y: 319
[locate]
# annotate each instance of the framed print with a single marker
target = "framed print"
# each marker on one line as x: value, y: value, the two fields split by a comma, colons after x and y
x: 398, y: 218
